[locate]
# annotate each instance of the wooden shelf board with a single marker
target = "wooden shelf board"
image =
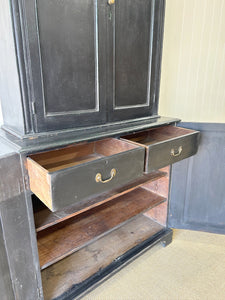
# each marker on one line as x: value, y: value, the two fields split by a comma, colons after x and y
x: 69, y: 236
x: 74, y: 269
x: 44, y: 218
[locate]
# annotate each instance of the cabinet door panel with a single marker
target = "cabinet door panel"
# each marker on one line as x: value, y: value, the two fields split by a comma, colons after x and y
x: 132, y: 28
x: 68, y: 56
x: 67, y: 62
x: 133, y: 65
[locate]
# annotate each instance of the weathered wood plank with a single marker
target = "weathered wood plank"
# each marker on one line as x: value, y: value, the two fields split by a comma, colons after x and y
x: 67, y: 237
x: 60, y: 277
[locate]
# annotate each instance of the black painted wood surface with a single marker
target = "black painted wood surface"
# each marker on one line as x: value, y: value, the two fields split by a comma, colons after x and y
x: 197, y: 199
x: 165, y: 146
x: 18, y: 227
x: 159, y: 154
x: 82, y: 63
x: 135, y: 41
x: 49, y: 140
x: 67, y: 66
x: 74, y: 184
x: 6, y: 291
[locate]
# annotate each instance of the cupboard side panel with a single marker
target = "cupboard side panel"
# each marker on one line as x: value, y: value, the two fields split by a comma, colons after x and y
x: 6, y: 291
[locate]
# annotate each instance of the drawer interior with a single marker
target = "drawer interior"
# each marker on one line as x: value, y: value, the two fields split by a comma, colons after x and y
x: 98, y: 232
x: 78, y: 154
x: 161, y: 134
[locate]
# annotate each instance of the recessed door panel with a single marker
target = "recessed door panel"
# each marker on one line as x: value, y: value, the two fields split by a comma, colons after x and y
x: 68, y: 47
x: 67, y: 62
x: 135, y: 32
x: 132, y: 51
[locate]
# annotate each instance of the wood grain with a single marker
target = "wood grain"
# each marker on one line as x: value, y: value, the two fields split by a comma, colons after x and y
x: 59, y: 165
x: 113, y: 146
x: 79, y: 153
x: 161, y: 187
x: 40, y: 182
x: 62, y: 154
x: 74, y: 269
x: 67, y: 237
x: 158, y: 213
x: 44, y: 218
x: 157, y: 135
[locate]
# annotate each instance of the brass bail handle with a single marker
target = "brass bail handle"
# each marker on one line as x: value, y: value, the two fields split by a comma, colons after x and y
x: 174, y: 153
x: 111, y: 2
x: 98, y: 177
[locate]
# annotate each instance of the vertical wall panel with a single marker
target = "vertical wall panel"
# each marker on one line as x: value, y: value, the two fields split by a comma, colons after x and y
x: 9, y: 77
x: 193, y: 66
x: 0, y: 115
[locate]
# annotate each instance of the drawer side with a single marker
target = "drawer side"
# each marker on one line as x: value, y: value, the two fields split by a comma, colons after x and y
x: 40, y: 182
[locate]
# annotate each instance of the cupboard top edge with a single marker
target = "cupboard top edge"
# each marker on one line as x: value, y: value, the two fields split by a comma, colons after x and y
x: 39, y: 142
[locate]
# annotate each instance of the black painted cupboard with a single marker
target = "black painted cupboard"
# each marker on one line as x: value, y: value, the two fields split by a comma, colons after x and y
x: 86, y: 62
x: 84, y: 70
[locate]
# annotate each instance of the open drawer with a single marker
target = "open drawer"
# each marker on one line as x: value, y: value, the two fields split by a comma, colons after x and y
x: 165, y: 145
x: 62, y: 177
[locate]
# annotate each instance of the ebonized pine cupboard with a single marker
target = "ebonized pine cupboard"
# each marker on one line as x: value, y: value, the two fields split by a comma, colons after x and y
x: 85, y: 158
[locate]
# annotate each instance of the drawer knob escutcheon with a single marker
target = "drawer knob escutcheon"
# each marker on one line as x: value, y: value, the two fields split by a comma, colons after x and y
x: 173, y: 153
x: 98, y: 177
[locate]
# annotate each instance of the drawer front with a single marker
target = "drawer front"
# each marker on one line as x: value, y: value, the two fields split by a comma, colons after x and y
x: 171, y: 151
x: 77, y: 183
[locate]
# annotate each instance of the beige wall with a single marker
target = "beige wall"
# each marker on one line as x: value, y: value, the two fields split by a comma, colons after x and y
x: 1, y: 120
x: 193, y: 66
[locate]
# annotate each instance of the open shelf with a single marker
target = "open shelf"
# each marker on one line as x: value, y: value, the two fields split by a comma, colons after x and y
x: 44, y: 218
x: 63, y: 239
x: 71, y: 272
x: 78, y: 244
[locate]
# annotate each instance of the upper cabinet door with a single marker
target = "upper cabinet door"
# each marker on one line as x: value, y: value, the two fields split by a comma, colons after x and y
x: 67, y: 65
x: 134, y: 47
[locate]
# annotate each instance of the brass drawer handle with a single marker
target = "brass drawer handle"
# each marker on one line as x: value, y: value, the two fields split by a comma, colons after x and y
x: 173, y: 153
x: 110, y: 2
x: 98, y: 177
